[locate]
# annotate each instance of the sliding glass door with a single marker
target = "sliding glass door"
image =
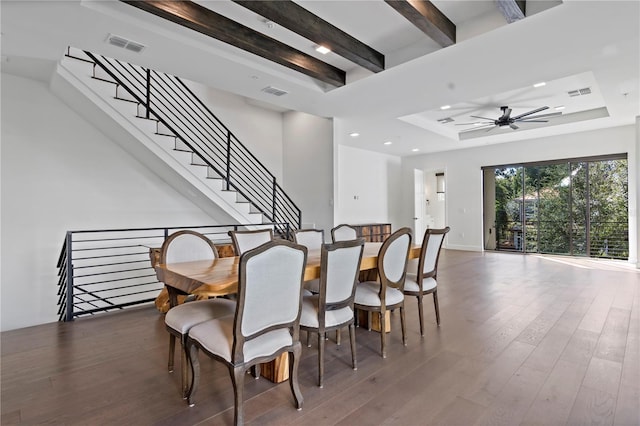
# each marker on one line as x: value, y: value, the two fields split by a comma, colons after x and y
x: 571, y: 207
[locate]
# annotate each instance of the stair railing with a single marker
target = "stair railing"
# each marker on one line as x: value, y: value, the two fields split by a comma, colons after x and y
x: 168, y: 100
x: 106, y: 270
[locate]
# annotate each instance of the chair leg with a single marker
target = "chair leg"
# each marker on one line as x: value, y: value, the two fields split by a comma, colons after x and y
x: 308, y: 339
x: 403, y: 325
x: 352, y: 338
x: 435, y: 303
x: 338, y: 337
x: 237, y: 376
x: 172, y: 349
x: 369, y: 313
x: 194, y: 362
x: 383, y: 334
x: 256, y: 371
x: 320, y: 358
x: 183, y: 366
x: 294, y: 362
x: 421, y: 315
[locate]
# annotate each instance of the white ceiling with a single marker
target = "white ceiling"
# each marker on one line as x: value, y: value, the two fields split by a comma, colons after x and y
x: 569, y: 45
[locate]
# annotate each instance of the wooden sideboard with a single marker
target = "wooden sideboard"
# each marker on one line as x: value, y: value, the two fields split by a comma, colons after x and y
x: 373, y: 232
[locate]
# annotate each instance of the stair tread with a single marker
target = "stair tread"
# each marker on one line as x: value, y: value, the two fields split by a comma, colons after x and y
x: 125, y: 99
x: 79, y: 59
x: 105, y: 80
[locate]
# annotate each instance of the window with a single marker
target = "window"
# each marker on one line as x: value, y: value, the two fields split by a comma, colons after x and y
x: 575, y: 207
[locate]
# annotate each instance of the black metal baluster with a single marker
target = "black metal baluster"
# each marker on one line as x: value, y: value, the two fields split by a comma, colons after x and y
x: 69, y: 316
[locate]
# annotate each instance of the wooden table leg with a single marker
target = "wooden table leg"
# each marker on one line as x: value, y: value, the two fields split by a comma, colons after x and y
x: 277, y: 370
x: 363, y: 320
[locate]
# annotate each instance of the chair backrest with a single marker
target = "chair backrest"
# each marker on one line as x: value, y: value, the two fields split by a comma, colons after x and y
x: 312, y: 239
x: 247, y: 240
x: 430, y: 252
x: 339, y: 268
x: 392, y: 259
x: 185, y: 246
x: 343, y: 233
x: 269, y: 292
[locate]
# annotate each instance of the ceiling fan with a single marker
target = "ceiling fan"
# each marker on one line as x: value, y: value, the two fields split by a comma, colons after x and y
x: 506, y: 120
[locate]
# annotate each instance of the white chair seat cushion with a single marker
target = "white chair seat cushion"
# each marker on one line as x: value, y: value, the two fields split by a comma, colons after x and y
x: 182, y: 317
x: 411, y: 284
x: 309, y: 315
x: 367, y: 294
x: 216, y: 336
x: 313, y: 285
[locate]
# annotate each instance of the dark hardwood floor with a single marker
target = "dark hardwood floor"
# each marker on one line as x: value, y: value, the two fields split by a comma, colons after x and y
x: 524, y: 340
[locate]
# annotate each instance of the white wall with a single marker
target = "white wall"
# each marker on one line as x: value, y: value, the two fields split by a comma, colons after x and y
x: 59, y: 173
x: 259, y: 129
x: 368, y: 188
x: 464, y: 176
x: 308, y: 167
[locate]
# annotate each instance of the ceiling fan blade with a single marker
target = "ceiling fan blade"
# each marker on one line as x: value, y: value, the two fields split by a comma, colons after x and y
x: 475, y: 123
x: 513, y: 126
x: 533, y: 121
x: 530, y: 112
x: 484, y: 118
x: 551, y: 114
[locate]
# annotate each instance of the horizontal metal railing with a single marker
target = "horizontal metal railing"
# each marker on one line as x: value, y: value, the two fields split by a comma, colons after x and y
x: 110, y: 269
x: 603, y: 239
x: 168, y: 100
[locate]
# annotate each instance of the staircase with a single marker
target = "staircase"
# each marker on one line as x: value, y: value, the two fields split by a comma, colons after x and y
x: 161, y: 122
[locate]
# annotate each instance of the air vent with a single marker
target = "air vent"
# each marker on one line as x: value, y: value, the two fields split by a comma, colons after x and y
x: 274, y: 91
x: 580, y: 92
x: 124, y: 43
x: 445, y: 120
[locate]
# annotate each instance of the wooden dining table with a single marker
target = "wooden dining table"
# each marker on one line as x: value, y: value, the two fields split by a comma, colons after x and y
x: 219, y: 277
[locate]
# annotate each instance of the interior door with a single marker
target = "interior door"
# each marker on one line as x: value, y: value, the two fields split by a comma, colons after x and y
x: 419, y: 204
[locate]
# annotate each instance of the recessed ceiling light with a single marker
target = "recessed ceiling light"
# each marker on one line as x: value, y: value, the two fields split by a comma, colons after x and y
x: 443, y: 107
x: 415, y: 150
x: 388, y: 143
x: 560, y: 107
x: 354, y: 134
x: 322, y: 49
x: 542, y: 83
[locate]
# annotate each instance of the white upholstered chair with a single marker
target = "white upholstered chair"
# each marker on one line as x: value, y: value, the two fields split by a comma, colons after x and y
x: 332, y: 308
x: 266, y: 322
x: 247, y: 240
x: 378, y: 297
x: 312, y: 239
x: 184, y: 246
x: 422, y: 280
x: 343, y: 233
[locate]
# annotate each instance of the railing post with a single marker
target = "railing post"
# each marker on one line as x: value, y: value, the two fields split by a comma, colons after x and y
x: 228, y: 174
x: 275, y: 193
x: 69, y: 314
x: 148, y: 106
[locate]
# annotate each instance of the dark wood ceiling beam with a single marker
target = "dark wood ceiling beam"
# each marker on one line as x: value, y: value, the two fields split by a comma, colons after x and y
x: 513, y: 10
x: 302, y: 22
x: 428, y: 18
x: 212, y: 24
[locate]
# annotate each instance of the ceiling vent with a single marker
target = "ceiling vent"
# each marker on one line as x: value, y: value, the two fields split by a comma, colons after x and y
x: 580, y: 92
x: 274, y: 91
x: 445, y: 120
x: 124, y: 43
